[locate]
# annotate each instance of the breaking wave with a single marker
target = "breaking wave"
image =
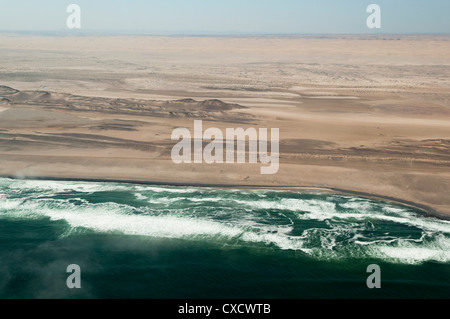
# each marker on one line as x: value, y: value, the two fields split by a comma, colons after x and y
x: 323, y: 226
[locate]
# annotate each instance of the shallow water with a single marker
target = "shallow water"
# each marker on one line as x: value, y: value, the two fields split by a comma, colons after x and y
x: 135, y: 241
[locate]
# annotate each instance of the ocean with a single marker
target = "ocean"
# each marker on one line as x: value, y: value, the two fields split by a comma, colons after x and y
x: 142, y: 241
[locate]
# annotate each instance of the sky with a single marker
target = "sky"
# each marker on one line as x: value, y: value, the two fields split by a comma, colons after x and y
x: 227, y: 16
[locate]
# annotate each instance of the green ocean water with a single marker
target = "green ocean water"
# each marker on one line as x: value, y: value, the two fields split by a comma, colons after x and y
x: 137, y: 241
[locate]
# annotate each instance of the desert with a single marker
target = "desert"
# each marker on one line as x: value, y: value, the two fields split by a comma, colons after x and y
x: 365, y: 115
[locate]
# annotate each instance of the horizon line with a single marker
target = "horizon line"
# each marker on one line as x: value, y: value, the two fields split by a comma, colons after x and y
x: 67, y: 32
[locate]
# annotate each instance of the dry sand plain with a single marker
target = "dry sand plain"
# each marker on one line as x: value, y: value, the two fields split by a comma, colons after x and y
x: 368, y: 114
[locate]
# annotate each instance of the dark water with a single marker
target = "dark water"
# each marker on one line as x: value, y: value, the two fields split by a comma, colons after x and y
x: 134, y: 241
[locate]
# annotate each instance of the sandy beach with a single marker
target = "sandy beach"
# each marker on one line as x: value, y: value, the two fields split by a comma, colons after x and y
x: 364, y: 114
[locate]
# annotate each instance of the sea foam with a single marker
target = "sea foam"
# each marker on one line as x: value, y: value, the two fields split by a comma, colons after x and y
x: 326, y: 227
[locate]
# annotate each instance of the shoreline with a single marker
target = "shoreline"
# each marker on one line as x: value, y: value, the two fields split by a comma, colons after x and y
x: 426, y: 210
x: 347, y: 125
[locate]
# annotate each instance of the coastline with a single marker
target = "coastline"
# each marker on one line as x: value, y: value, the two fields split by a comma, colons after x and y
x: 346, y: 125
x: 426, y: 210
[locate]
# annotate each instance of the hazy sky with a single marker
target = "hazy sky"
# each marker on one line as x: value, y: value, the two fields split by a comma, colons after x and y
x: 228, y: 16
